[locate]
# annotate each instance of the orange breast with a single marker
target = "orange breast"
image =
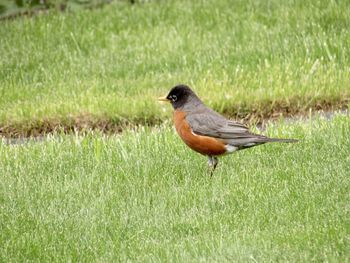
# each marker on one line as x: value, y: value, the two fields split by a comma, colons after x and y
x: 202, y: 144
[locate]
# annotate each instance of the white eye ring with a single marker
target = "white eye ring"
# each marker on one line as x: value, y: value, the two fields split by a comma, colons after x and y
x: 174, y: 98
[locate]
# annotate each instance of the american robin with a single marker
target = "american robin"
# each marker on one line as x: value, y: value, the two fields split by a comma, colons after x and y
x: 206, y: 131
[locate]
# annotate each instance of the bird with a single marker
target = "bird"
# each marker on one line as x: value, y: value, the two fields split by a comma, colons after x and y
x: 208, y: 132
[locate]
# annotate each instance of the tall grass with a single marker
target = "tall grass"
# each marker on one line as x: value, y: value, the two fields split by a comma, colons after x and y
x: 144, y: 196
x: 112, y: 63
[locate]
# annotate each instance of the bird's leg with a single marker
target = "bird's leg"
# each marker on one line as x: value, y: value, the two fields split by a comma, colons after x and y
x: 212, y: 162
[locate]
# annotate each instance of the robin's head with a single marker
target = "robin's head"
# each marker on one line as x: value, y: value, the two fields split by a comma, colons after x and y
x: 179, y: 95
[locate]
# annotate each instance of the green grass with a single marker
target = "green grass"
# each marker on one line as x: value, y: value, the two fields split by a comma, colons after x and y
x: 11, y: 9
x: 143, y: 196
x: 110, y: 64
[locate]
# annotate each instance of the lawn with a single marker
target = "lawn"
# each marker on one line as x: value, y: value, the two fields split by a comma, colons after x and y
x: 143, y: 196
x: 105, y: 67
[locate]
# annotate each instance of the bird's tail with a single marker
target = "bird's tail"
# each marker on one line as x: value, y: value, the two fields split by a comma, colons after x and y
x: 282, y: 140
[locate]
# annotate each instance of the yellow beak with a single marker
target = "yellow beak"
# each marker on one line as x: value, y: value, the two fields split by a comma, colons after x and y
x: 163, y: 99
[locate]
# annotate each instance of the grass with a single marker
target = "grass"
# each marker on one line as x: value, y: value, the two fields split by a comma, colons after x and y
x: 10, y: 9
x: 143, y: 196
x: 108, y: 65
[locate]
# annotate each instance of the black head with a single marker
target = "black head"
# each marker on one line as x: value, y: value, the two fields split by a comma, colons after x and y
x: 179, y: 95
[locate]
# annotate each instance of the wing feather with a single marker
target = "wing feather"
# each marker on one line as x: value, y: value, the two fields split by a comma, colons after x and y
x: 207, y: 122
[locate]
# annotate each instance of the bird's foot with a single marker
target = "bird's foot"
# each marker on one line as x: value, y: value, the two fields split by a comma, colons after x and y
x: 212, y: 163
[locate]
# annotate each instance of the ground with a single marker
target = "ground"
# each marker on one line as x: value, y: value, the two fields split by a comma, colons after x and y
x: 105, y: 68
x: 143, y: 196
x: 113, y: 182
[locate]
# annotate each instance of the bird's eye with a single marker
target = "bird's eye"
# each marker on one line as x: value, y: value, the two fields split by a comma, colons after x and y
x: 174, y: 98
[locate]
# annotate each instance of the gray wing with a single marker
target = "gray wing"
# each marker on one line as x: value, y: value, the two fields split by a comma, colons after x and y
x: 207, y: 122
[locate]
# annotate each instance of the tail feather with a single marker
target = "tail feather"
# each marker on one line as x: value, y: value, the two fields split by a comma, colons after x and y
x: 264, y: 139
x: 251, y: 140
x: 281, y: 140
